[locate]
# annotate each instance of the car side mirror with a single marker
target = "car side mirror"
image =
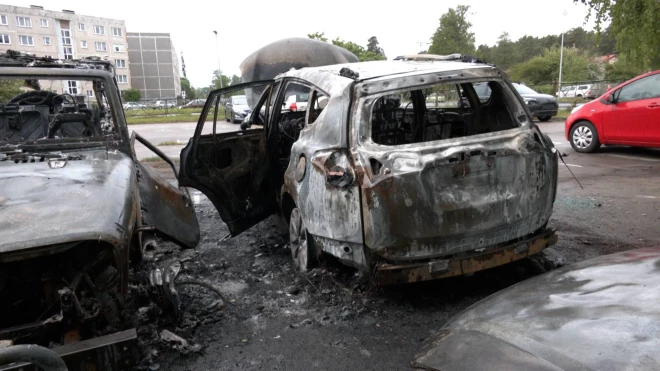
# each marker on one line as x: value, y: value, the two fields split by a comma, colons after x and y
x: 611, y: 98
x: 247, y: 123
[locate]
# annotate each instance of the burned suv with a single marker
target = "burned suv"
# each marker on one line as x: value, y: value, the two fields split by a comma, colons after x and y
x: 75, y: 206
x: 386, y: 169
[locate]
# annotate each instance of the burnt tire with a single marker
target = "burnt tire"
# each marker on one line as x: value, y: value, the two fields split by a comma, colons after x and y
x: 584, y: 137
x: 545, y: 118
x: 302, y: 245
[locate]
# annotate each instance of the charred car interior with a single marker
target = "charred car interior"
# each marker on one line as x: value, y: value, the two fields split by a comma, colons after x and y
x: 395, y: 168
x: 76, y: 209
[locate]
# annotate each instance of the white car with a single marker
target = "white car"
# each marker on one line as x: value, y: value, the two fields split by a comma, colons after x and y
x: 164, y: 103
x: 296, y: 103
x: 134, y: 106
x: 573, y: 91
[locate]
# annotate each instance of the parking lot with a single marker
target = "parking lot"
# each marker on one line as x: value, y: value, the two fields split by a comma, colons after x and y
x: 282, y: 320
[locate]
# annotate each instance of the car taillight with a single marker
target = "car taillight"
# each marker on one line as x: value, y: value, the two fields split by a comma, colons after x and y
x: 293, y: 107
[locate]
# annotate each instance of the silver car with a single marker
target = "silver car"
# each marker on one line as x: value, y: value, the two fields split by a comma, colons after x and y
x: 379, y: 176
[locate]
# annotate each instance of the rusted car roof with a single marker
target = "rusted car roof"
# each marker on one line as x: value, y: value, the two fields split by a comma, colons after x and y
x: 329, y: 79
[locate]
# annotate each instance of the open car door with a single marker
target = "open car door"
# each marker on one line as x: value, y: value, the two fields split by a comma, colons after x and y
x: 233, y: 168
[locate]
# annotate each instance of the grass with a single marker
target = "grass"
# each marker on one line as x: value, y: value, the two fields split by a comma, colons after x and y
x: 169, y: 143
x: 562, y: 114
x: 151, y: 159
x: 186, y: 115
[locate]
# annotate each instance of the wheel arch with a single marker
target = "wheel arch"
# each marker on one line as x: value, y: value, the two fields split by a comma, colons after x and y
x: 287, y: 205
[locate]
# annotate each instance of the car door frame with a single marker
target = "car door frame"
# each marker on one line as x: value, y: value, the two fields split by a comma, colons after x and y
x: 221, y: 189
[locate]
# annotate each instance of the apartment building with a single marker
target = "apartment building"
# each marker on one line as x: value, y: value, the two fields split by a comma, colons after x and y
x: 154, y: 65
x: 66, y: 35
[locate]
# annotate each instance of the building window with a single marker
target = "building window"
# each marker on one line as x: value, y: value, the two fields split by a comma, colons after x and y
x: 66, y: 37
x: 71, y: 87
x: 99, y: 30
x: 122, y: 79
x: 117, y: 32
x: 44, y: 23
x: 4, y: 39
x: 25, y: 40
x: 119, y: 48
x: 23, y: 21
x: 81, y: 27
x: 120, y: 63
x: 101, y: 46
x: 90, y: 93
x: 3, y: 20
x: 46, y: 40
x: 83, y: 44
x: 68, y: 52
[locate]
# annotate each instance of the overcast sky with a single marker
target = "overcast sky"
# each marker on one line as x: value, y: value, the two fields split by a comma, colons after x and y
x: 246, y: 25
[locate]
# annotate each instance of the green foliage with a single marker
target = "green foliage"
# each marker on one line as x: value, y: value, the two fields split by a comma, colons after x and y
x: 372, y: 52
x: 226, y: 82
x: 623, y: 69
x: 636, y: 26
x: 578, y: 66
x: 318, y: 36
x: 453, y: 34
x: 505, y: 54
x: 132, y: 95
x: 185, y: 86
x: 9, y: 89
x: 202, y: 93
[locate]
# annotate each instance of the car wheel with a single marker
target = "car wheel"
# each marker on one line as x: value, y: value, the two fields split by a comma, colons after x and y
x: 545, y: 118
x: 226, y: 117
x: 584, y: 137
x: 301, y: 243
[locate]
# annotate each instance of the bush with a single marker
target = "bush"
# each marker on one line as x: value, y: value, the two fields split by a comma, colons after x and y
x: 132, y: 95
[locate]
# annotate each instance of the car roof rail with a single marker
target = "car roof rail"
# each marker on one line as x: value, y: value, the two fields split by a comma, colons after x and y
x: 456, y: 57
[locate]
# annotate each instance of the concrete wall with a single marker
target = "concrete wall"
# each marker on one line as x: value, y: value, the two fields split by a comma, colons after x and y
x: 154, y: 65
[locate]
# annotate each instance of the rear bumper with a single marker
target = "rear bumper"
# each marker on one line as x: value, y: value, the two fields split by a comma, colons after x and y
x: 389, y: 274
x: 543, y: 113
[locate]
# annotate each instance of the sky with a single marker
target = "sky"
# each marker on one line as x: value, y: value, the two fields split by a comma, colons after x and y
x: 245, y: 26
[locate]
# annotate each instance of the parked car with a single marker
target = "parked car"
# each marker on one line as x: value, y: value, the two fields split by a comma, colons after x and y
x: 296, y: 102
x: 76, y: 208
x: 163, y: 104
x: 574, y: 91
x: 236, y: 108
x: 134, y: 106
x: 542, y: 106
x: 414, y: 193
x: 598, y: 314
x: 195, y: 103
x: 628, y: 115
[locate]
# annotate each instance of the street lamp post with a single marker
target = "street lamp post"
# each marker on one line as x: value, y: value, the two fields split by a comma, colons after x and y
x: 561, y: 60
x: 217, y: 46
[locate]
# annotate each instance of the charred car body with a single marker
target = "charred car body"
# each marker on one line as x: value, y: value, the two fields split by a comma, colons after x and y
x: 379, y: 177
x: 75, y: 207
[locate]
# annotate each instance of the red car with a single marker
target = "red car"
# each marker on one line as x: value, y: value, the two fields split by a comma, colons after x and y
x: 628, y: 115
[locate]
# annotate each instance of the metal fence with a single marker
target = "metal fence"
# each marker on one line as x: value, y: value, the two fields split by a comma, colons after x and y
x: 576, y: 89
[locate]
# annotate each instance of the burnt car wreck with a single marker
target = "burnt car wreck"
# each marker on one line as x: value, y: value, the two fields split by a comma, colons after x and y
x: 76, y: 207
x: 396, y: 168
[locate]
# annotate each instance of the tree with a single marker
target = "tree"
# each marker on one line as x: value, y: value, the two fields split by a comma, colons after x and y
x: 372, y: 46
x: 185, y: 86
x: 635, y: 24
x: 202, y: 93
x: 215, y: 82
x: 453, y: 34
x: 504, y: 55
x: 318, y: 36
x: 132, y: 95
x: 9, y: 89
x: 577, y: 66
x: 235, y: 80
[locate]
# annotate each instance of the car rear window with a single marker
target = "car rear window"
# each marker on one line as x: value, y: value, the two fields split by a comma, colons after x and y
x: 442, y: 111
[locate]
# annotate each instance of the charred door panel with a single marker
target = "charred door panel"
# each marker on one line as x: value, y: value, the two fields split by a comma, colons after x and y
x: 425, y: 205
x: 232, y: 170
x: 167, y: 208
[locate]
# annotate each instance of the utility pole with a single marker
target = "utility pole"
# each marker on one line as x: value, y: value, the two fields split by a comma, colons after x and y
x: 218, y: 48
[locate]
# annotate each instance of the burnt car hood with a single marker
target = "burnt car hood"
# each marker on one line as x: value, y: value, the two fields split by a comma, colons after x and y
x: 600, y: 314
x: 84, y: 200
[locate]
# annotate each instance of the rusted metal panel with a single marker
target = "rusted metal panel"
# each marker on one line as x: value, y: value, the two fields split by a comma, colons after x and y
x: 388, y: 274
x: 117, y: 351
